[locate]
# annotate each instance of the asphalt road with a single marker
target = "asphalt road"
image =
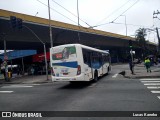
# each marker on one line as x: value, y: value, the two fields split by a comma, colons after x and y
x: 108, y: 94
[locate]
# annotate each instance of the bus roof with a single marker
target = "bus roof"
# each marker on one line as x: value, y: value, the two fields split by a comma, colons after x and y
x: 83, y: 46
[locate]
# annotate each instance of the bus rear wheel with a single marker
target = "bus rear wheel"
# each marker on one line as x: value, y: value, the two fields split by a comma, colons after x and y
x: 95, y: 76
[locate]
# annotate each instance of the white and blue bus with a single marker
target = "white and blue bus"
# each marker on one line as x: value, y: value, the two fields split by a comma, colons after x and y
x: 76, y: 62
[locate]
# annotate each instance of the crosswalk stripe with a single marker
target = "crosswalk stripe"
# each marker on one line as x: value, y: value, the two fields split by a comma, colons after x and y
x: 155, y: 91
x: 152, y: 84
x: 114, y: 76
x: 151, y: 81
x: 153, y: 87
x: 6, y: 91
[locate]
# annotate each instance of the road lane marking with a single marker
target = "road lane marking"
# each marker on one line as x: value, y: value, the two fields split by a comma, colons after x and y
x: 155, y: 91
x: 152, y: 84
x: 150, y: 79
x: 6, y: 91
x: 114, y: 76
x: 16, y: 86
x: 153, y: 87
x: 158, y: 97
x: 35, y: 84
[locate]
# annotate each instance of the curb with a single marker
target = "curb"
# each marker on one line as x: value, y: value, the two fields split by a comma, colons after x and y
x: 137, y: 77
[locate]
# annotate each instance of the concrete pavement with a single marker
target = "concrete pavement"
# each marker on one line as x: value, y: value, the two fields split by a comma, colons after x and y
x: 28, y: 79
x: 141, y: 72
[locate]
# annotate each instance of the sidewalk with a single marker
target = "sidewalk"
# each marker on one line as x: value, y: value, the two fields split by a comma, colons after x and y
x: 141, y: 72
x: 28, y: 80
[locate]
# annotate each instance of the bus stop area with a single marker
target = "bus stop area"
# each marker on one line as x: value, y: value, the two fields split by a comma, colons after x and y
x: 26, y: 79
x: 20, y: 63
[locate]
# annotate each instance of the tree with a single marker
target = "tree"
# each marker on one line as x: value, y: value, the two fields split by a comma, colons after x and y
x: 140, y: 38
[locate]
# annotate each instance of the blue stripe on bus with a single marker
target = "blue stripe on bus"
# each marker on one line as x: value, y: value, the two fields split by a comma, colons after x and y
x: 72, y: 64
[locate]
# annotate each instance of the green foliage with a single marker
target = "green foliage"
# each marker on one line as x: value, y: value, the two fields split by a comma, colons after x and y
x: 140, y: 38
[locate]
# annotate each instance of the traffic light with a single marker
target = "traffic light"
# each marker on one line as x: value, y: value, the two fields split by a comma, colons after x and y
x: 13, y: 21
x: 130, y: 43
x: 16, y: 22
x: 19, y: 23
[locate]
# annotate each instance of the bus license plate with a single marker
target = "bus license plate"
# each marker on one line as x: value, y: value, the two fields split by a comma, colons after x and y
x: 57, y: 74
x: 64, y: 71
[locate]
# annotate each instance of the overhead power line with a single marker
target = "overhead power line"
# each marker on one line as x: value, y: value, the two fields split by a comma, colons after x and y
x: 65, y: 16
x: 130, y: 24
x: 119, y: 15
x: 114, y: 11
x: 126, y: 10
x: 121, y: 24
x: 71, y: 13
x: 57, y: 11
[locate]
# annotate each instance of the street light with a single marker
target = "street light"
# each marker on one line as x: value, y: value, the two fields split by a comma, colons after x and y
x: 158, y: 48
x: 44, y: 46
x: 125, y: 23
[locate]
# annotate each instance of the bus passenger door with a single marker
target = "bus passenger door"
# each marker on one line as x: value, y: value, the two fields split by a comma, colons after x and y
x: 87, y: 72
x: 101, y: 64
x: 87, y: 66
x: 105, y: 65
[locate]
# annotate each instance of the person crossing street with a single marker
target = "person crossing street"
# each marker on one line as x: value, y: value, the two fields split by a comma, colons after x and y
x: 147, y: 63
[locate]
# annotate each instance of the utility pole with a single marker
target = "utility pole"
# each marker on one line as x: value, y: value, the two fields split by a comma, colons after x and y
x: 157, y: 13
x: 158, y: 39
x: 78, y: 21
x: 50, y: 27
x: 125, y: 23
x: 44, y: 47
x: 5, y: 59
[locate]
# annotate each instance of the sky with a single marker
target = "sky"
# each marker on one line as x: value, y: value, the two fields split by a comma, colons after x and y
x: 105, y: 15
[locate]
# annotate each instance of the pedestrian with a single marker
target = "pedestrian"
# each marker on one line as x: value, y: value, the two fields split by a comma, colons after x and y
x: 131, y: 66
x: 32, y: 71
x: 147, y: 63
x: 155, y: 60
x: 18, y: 70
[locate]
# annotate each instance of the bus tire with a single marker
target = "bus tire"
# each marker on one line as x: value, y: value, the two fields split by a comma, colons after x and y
x: 108, y: 70
x: 95, y: 76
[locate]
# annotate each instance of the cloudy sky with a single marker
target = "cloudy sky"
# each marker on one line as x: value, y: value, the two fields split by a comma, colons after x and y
x: 106, y: 15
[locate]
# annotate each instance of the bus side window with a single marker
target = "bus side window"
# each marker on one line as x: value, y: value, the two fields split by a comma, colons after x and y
x: 100, y: 59
x: 107, y: 57
x: 103, y: 59
x: 89, y: 58
x: 85, y: 56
